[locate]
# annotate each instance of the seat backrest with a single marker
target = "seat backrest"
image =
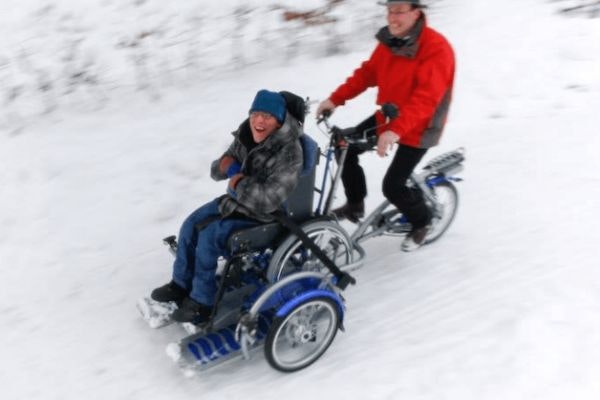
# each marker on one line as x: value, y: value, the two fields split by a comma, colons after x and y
x: 300, y: 202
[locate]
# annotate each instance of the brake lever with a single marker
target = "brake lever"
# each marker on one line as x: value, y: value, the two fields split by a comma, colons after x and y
x: 324, y: 117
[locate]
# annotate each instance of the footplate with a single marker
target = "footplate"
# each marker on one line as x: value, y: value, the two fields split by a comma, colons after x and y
x: 205, y: 350
x: 155, y: 313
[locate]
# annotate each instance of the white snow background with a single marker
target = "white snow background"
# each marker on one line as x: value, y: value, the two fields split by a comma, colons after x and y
x: 505, y: 306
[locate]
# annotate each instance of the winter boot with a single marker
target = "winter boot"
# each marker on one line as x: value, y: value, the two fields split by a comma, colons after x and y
x: 415, y: 238
x: 350, y: 211
x: 192, y: 311
x: 169, y: 292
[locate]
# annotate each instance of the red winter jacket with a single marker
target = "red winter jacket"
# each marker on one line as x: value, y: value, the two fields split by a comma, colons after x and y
x: 416, y: 75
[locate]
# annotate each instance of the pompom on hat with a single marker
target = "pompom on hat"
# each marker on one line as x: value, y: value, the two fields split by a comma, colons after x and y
x: 270, y: 102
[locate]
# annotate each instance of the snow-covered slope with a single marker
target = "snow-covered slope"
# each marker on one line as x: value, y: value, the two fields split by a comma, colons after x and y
x: 505, y: 306
x: 82, y: 55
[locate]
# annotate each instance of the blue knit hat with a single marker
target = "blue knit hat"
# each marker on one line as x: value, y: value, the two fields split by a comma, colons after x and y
x: 270, y: 102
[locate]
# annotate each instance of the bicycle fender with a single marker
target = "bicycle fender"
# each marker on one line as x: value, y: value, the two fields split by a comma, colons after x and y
x: 309, y: 295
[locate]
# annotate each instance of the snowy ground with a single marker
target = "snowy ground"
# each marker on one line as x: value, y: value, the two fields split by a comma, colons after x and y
x: 505, y: 306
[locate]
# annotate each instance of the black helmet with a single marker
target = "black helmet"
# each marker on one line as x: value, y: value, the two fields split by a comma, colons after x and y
x: 416, y: 3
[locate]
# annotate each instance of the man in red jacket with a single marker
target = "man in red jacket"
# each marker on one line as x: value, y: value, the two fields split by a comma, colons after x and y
x: 412, y: 67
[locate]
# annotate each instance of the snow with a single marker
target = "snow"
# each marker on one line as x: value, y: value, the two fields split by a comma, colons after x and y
x: 504, y: 306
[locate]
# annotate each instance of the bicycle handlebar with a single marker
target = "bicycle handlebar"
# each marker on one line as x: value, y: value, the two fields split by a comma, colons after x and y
x: 339, y: 135
x: 389, y: 110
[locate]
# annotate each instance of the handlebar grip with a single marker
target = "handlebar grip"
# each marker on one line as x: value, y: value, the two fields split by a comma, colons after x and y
x: 324, y: 116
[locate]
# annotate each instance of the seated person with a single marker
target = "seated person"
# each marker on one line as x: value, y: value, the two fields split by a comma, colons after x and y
x: 263, y: 164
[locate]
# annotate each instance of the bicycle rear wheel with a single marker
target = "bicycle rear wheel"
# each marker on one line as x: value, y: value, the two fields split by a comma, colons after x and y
x: 444, y: 209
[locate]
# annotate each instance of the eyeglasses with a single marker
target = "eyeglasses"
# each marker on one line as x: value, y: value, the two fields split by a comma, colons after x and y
x: 264, y: 115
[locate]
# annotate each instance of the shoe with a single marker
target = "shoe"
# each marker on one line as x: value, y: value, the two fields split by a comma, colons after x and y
x: 169, y: 292
x: 415, y: 238
x: 350, y: 211
x: 192, y: 311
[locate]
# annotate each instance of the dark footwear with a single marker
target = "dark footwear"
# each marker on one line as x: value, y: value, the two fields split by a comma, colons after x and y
x: 415, y: 238
x: 192, y: 311
x: 169, y: 292
x: 350, y: 211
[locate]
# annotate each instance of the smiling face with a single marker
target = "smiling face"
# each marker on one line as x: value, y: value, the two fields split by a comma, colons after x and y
x: 401, y: 18
x: 262, y: 124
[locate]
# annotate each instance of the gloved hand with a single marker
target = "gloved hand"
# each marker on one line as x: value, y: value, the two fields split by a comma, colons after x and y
x: 326, y: 105
x: 234, y: 180
x: 234, y: 169
x: 229, y: 166
x: 386, y: 141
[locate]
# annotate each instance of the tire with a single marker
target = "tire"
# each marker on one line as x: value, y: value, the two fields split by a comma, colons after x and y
x: 298, y: 339
x: 445, y: 210
x: 291, y: 255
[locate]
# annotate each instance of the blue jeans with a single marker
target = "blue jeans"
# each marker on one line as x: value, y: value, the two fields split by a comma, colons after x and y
x: 199, y: 249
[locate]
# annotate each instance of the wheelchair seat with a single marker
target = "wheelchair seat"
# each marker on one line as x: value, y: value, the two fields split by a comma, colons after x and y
x: 299, y: 206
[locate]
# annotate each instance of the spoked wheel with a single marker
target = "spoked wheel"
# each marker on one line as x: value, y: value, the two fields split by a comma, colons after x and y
x: 444, y: 210
x: 302, y: 336
x: 292, y: 256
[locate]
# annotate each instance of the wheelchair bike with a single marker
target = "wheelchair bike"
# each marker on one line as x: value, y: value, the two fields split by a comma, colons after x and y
x: 280, y: 287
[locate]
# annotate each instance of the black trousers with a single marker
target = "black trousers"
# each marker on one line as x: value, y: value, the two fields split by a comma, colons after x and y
x: 408, y: 200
